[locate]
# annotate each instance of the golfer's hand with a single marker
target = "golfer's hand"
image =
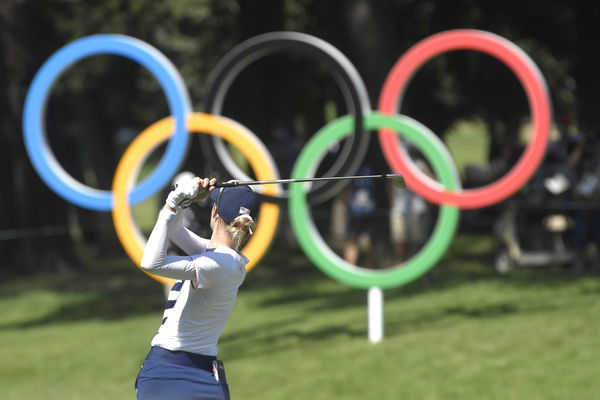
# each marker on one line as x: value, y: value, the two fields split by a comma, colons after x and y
x: 183, y: 193
x: 205, y: 186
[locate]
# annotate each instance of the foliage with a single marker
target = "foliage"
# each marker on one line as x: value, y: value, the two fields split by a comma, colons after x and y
x: 99, y: 104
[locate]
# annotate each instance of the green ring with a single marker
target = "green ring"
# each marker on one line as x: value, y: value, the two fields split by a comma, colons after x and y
x: 310, y: 239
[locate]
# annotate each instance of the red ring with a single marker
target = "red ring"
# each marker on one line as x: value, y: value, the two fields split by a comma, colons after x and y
x: 537, y: 96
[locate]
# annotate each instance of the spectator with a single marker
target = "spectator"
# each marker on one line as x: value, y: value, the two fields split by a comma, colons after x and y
x: 410, y: 217
x: 587, y: 217
x: 361, y: 229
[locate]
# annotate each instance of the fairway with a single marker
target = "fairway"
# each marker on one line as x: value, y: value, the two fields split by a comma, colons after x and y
x: 464, y: 333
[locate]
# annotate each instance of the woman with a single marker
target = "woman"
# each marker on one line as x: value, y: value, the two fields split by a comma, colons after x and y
x: 182, y: 363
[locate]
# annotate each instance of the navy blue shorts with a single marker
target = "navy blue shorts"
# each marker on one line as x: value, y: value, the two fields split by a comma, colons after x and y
x: 180, y: 375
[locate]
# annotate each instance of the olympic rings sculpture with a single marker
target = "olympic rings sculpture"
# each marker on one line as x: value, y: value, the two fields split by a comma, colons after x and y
x: 353, y: 90
x: 35, y: 107
x: 448, y: 194
x: 131, y: 161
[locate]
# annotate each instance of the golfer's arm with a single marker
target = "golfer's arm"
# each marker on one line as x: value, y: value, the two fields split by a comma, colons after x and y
x: 185, y: 239
x: 155, y: 259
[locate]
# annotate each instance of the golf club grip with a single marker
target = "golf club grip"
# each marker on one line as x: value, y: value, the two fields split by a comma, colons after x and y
x: 227, y: 184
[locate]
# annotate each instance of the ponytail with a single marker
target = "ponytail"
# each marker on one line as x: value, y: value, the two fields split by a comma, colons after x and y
x: 241, y: 228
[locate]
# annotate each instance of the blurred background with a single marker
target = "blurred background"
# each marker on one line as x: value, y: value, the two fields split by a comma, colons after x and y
x: 509, y: 312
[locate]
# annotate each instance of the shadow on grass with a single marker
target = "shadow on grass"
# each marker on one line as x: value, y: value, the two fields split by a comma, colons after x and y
x: 106, y: 306
x: 120, y: 291
x: 334, y: 303
x: 280, y: 336
x: 273, y: 338
x: 398, y: 325
x: 452, y: 274
x: 112, y: 291
x: 299, y: 287
x: 469, y: 260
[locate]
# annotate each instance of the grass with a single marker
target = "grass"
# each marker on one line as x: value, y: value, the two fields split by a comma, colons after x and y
x: 462, y: 333
x: 468, y: 143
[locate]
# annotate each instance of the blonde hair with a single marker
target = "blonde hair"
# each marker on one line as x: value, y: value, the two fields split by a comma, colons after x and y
x: 241, y: 228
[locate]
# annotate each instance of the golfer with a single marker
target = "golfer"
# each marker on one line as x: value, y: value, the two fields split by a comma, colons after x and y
x: 182, y: 363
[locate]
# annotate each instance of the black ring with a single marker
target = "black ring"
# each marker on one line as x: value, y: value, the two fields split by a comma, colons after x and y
x: 347, y: 77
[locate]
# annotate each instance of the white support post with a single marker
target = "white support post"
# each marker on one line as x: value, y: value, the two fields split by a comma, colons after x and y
x: 375, y: 312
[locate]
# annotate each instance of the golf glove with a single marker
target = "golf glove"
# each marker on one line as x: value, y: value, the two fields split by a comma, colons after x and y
x: 182, y: 195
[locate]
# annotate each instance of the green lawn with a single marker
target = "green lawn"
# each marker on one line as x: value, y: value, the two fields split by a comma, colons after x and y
x: 464, y: 333
x: 468, y: 143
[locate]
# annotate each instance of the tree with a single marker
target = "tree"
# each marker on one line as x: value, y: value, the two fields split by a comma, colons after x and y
x: 104, y: 95
x: 89, y: 104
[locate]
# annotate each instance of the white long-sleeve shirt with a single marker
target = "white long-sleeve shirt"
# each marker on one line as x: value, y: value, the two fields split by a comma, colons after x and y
x: 208, y: 280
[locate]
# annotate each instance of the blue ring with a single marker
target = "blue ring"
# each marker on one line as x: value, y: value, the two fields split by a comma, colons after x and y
x: 34, y: 129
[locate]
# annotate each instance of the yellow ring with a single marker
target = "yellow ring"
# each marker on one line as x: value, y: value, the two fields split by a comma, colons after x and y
x: 257, y: 155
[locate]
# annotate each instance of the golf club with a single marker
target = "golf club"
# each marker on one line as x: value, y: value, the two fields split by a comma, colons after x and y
x: 326, y: 178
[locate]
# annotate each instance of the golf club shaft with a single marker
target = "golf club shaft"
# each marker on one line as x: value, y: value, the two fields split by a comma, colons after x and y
x: 326, y: 178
